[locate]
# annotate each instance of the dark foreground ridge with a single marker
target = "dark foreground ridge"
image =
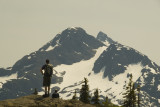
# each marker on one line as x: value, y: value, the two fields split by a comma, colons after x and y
x: 39, y: 101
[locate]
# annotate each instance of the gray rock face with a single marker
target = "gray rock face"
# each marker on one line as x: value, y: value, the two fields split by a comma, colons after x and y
x: 117, y: 57
x: 103, y: 38
x: 4, y: 72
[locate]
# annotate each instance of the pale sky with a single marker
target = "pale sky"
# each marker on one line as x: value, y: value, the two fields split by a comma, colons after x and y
x: 26, y: 25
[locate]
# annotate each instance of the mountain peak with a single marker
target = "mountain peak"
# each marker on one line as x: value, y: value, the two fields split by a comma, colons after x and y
x: 70, y: 29
x: 104, y: 38
x: 73, y: 28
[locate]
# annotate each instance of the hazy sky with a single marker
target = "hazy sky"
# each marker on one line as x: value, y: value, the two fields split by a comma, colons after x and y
x: 26, y: 25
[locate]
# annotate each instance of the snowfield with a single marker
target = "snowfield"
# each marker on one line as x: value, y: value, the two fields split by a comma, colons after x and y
x: 114, y: 89
x: 7, y: 78
x: 76, y: 72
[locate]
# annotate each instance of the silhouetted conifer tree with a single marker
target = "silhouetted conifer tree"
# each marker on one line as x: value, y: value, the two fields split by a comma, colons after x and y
x: 95, y: 98
x: 75, y: 95
x: 138, y: 99
x: 130, y: 96
x: 133, y: 96
x: 35, y: 91
x: 84, y: 92
x: 106, y: 103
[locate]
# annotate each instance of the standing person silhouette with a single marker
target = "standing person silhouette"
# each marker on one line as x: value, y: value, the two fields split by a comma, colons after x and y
x: 47, y: 74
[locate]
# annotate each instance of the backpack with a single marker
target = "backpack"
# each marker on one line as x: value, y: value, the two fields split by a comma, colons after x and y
x: 48, y: 70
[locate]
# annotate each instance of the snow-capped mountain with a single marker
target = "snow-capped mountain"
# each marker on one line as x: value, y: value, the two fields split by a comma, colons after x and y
x: 75, y: 55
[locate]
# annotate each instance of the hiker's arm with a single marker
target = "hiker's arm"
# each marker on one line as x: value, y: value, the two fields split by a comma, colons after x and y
x: 55, y: 70
x: 41, y: 71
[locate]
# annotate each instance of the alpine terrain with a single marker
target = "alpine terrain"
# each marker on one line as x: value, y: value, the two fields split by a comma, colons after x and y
x: 75, y: 54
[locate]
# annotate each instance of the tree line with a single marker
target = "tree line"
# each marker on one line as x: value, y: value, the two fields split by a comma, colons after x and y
x: 131, y: 95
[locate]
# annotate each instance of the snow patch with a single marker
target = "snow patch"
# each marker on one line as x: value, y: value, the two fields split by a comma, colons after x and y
x: 8, y: 68
x: 158, y: 87
x: 135, y: 70
x: 41, y: 92
x: 77, y: 52
x: 28, y: 66
x: 103, y: 69
x: 153, y: 81
x: 34, y: 74
x: 142, y: 81
x: 23, y: 78
x: 145, y: 75
x: 119, y: 48
x: 85, y: 44
x: 29, y: 57
x: 119, y: 64
x: 42, y: 50
x: 128, y: 48
x: 50, y: 48
x: 106, y: 43
x: 125, y: 66
x: 153, y: 63
x: 70, y: 28
x: 151, y: 70
x: 4, y: 79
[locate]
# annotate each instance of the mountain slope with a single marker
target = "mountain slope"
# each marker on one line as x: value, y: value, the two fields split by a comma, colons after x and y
x: 118, y: 60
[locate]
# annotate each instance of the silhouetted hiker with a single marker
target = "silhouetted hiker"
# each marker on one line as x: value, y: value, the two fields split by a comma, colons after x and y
x: 55, y: 94
x: 47, y: 74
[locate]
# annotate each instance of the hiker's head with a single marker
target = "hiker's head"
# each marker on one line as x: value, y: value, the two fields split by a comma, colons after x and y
x: 47, y: 61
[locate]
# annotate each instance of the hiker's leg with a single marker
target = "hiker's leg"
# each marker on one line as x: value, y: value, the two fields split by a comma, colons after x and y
x: 45, y: 89
x: 44, y: 84
x: 49, y: 82
x: 48, y: 89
